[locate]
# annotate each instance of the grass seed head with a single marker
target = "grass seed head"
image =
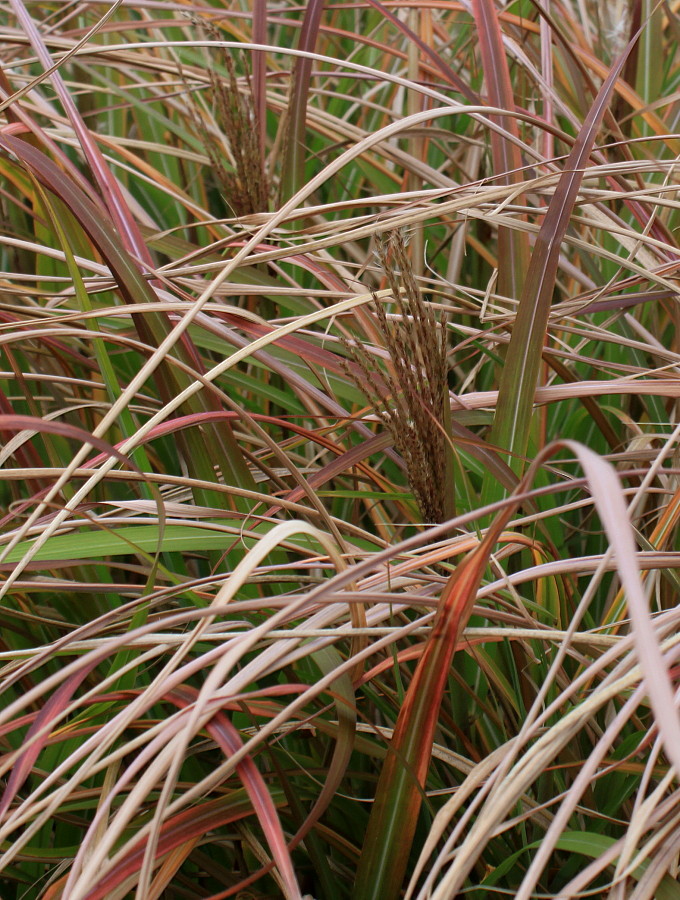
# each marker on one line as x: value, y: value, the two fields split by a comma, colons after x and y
x: 409, y: 394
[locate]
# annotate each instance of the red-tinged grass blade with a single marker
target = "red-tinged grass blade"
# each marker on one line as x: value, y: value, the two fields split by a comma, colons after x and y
x: 228, y: 739
x: 15, y: 423
x: 21, y: 122
x: 55, y: 705
x: 512, y: 420
x: 548, y: 77
x: 394, y: 815
x: 294, y: 147
x: 115, y: 202
x: 26, y: 455
x: 345, y: 461
x: 260, y: 73
x: 100, y: 230
x: 620, y: 107
x: 448, y: 73
x: 357, y: 455
x: 417, y: 650
x: 513, y: 245
x: 191, y: 823
x: 151, y: 327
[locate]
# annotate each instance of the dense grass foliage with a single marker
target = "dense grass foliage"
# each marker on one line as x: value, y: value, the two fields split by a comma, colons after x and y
x: 339, y: 385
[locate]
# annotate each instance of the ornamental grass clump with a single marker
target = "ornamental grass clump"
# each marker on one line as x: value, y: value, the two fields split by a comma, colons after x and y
x: 249, y: 646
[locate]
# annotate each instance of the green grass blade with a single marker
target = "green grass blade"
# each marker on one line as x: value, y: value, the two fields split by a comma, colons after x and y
x: 512, y: 420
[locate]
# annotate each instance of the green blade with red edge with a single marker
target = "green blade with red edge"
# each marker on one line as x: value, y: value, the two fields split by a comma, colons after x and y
x: 519, y: 379
x: 394, y: 815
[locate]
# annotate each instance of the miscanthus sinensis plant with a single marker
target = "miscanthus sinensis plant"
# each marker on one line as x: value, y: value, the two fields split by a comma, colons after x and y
x: 339, y: 381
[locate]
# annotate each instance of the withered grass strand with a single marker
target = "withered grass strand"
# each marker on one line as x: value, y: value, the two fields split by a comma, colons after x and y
x: 409, y: 394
